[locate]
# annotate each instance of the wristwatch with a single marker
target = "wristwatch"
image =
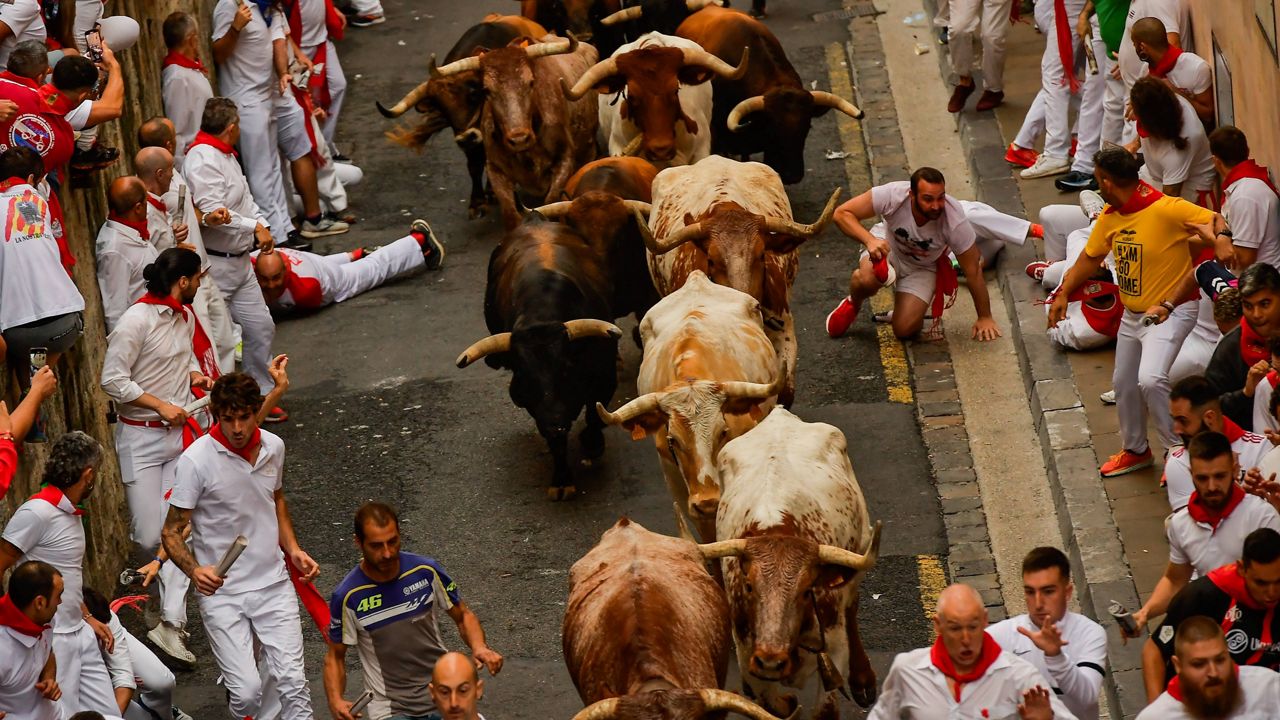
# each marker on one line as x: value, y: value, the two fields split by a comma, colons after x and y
x: 1167, y: 306
x: 1226, y: 232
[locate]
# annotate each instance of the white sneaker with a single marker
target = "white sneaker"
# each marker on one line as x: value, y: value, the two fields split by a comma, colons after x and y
x: 178, y: 714
x: 169, y: 641
x: 1108, y: 397
x: 1091, y: 203
x: 325, y: 227
x: 1046, y: 165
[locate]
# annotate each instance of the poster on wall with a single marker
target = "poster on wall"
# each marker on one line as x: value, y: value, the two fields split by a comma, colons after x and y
x: 1265, y: 10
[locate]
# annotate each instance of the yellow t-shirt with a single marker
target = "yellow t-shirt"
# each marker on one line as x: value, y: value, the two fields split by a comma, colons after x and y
x: 1151, y: 248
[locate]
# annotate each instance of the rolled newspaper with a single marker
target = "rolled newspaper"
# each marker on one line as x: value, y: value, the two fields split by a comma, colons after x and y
x: 232, y: 554
x: 199, y: 404
x: 361, y: 701
x: 179, y: 213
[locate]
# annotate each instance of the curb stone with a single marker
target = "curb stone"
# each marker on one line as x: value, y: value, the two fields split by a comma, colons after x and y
x: 1089, y: 533
x: 937, y: 402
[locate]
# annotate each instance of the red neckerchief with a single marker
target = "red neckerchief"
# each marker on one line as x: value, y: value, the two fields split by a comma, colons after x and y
x: 204, y: 138
x: 1233, y: 431
x: 1248, y: 169
x: 1203, y: 514
x: 176, y: 58
x: 1227, y: 579
x: 168, y: 301
x: 14, y: 619
x: 12, y: 183
x: 58, y: 499
x: 1142, y: 198
x: 941, y: 660
x: 138, y: 225
x: 56, y: 102
x: 1066, y: 43
x: 1253, y: 347
x: 1175, y: 686
x: 245, y: 452
x: 1165, y: 66
x: 157, y: 203
x: 24, y: 81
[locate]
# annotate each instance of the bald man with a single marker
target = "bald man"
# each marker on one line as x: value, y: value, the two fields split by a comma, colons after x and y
x: 456, y: 687
x: 124, y: 248
x: 964, y: 674
x: 1185, y: 72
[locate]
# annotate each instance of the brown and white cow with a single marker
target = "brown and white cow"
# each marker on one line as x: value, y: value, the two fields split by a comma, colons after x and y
x: 732, y: 220
x: 796, y: 541
x: 709, y: 374
x: 646, y: 631
x: 534, y: 138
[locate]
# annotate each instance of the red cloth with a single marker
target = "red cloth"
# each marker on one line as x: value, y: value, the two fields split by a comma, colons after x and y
x: 1253, y: 347
x: 941, y: 660
x: 1104, y: 322
x: 245, y: 452
x: 1175, y: 685
x: 55, y: 497
x: 59, y: 231
x: 6, y: 75
x: 169, y: 301
x: 1248, y: 169
x: 945, y: 289
x: 317, y: 607
x: 204, y: 138
x: 1233, y: 431
x: 1066, y: 45
x: 138, y: 225
x: 14, y: 619
x: 1141, y: 199
x: 1204, y: 514
x: 176, y: 58
x: 8, y: 465
x: 1227, y: 579
x: 55, y: 108
x: 1165, y: 66
x: 157, y: 203
x: 318, y: 84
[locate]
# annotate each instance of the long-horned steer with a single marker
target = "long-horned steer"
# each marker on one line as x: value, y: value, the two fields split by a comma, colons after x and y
x: 796, y: 542
x: 709, y: 374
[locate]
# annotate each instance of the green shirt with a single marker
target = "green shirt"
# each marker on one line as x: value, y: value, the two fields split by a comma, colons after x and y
x: 1111, y: 20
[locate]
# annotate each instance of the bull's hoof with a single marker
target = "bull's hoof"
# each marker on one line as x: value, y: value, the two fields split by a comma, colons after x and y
x: 864, y: 696
x: 563, y: 492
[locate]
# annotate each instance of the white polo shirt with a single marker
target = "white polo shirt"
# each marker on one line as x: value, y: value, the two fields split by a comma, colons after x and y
x: 216, y: 181
x: 1259, y: 686
x: 1253, y: 212
x: 122, y: 255
x: 1189, y: 72
x: 52, y: 531
x: 1192, y: 166
x: 1206, y: 548
x: 185, y: 92
x: 24, y: 660
x: 33, y: 283
x: 150, y: 351
x: 248, y: 76
x: 1168, y: 12
x: 1076, y: 673
x: 916, y: 690
x: 25, y: 23
x: 1248, y: 447
x: 228, y: 497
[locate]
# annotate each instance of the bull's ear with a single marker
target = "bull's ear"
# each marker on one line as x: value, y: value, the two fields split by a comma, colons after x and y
x: 783, y: 244
x: 643, y: 425
x: 611, y: 85
x: 744, y: 406
x: 834, y: 576
x: 694, y: 75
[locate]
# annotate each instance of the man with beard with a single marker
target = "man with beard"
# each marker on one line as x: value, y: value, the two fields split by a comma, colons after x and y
x: 921, y: 224
x: 387, y: 607
x: 1209, y: 684
x: 49, y: 528
x: 1244, y: 349
x: 1242, y: 597
x: 1195, y: 408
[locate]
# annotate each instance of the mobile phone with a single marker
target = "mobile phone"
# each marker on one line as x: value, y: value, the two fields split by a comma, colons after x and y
x: 39, y: 358
x: 360, y: 702
x: 93, y: 41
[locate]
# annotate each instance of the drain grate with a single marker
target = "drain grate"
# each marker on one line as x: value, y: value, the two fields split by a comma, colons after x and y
x: 860, y: 9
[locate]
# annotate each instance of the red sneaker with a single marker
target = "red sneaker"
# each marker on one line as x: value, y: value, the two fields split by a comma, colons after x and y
x: 1035, y: 270
x: 1022, y: 157
x: 839, y: 320
x: 1125, y: 462
x: 277, y: 415
x: 1036, y: 231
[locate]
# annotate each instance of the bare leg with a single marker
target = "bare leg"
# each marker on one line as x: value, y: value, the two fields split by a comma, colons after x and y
x: 304, y: 180
x: 908, y: 315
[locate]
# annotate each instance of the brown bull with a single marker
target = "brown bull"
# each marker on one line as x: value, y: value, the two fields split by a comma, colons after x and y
x: 583, y: 18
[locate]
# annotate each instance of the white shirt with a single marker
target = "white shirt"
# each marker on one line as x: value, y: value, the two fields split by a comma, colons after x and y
x: 916, y: 690
x: 1169, y: 13
x: 217, y: 181
x: 1253, y: 212
x: 53, y: 534
x: 1248, y: 447
x: 158, y: 224
x: 33, y: 283
x: 1260, y: 687
x: 1191, y: 166
x: 187, y: 214
x: 122, y: 255
x: 248, y: 76
x: 185, y: 92
x: 314, y: 29
x: 1205, y: 548
x: 1189, y: 72
x: 227, y: 498
x: 1076, y: 673
x: 25, y: 23
x: 149, y: 351
x: 920, y: 245
x: 24, y: 660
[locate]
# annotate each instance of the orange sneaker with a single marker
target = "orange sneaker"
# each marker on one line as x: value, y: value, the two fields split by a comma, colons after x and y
x: 1125, y: 462
x: 1022, y: 157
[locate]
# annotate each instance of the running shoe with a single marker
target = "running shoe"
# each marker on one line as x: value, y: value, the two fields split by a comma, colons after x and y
x: 1022, y: 157
x: 277, y: 415
x: 1092, y: 203
x: 432, y: 248
x: 1108, y: 397
x: 170, y: 641
x: 1125, y: 462
x: 1046, y: 165
x: 365, y: 20
x: 323, y: 227
x: 1035, y: 270
x: 1075, y: 181
x: 839, y: 319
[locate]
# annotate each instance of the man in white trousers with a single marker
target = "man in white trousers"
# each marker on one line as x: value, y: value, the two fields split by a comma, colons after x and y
x: 975, y: 22
x: 1051, y: 109
x: 233, y: 227
x: 229, y: 484
x: 306, y: 281
x: 1092, y: 111
x: 49, y: 528
x: 184, y: 80
x: 1094, y: 310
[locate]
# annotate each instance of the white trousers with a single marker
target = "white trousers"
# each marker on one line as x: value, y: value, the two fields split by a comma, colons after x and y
x: 400, y: 257
x: 994, y: 229
x: 1054, y: 96
x: 367, y: 7
x: 154, y: 697
x: 943, y: 18
x: 234, y: 277
x: 1076, y: 240
x: 259, y: 138
x: 1059, y: 221
x: 1198, y: 348
x: 337, y: 82
x: 270, y: 616
x: 1093, y: 97
x: 984, y: 22
x: 82, y: 673
x: 1144, y: 355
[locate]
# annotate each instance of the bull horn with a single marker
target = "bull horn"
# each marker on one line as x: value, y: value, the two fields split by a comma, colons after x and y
x: 555, y: 209
x: 639, y: 206
x: 642, y: 225
x: 602, y: 710
x: 722, y: 549
x: 791, y: 227
x: 833, y: 555
x: 725, y: 700
x: 625, y: 15
x: 606, y: 68
x: 743, y: 109
x: 590, y: 327
x: 455, y: 67
x: 485, y: 346
x: 642, y: 405
x: 755, y: 391
x: 702, y: 58
x: 696, y: 5
x: 414, y: 97
x: 555, y: 47
x: 676, y: 239
x: 470, y: 135
x: 835, y: 101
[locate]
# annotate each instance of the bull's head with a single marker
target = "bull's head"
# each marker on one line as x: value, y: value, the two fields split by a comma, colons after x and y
x: 575, y: 16
x: 676, y: 704
x: 652, y: 77
x: 664, y: 16
x: 783, y: 116
x: 774, y: 586
x: 602, y: 217
x: 451, y: 101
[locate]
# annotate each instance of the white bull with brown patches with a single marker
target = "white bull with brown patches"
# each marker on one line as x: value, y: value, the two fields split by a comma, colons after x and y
x: 797, y: 540
x: 709, y: 374
x: 732, y: 220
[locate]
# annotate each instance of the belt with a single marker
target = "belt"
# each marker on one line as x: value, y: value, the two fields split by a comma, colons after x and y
x: 144, y: 423
x: 216, y: 253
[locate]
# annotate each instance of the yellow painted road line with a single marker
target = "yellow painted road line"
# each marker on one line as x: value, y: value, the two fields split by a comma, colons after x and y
x: 933, y: 579
x: 893, y: 357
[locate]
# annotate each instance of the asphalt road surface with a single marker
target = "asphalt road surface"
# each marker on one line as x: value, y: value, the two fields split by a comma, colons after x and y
x: 380, y: 412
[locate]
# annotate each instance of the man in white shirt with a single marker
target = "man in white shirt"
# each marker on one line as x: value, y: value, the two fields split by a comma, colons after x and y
x: 1185, y: 72
x: 20, y: 20
x: 1209, y: 684
x: 28, y: 676
x: 1068, y: 649
x: 184, y: 80
x: 1195, y: 406
x: 48, y: 528
x: 123, y: 248
x: 964, y: 674
x: 229, y: 484
x: 154, y: 167
x: 1249, y: 199
x: 315, y: 42
x: 149, y: 371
